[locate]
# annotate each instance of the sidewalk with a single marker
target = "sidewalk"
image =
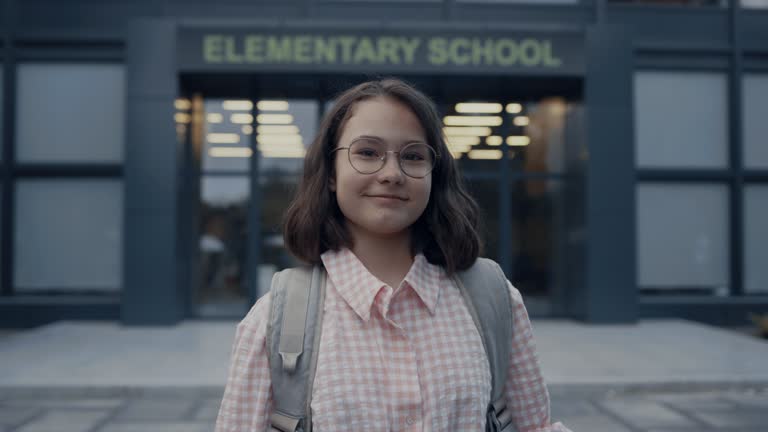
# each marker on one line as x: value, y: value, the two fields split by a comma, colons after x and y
x: 656, y: 376
x: 662, y: 354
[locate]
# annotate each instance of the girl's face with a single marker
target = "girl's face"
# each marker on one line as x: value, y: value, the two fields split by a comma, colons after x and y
x: 387, y: 202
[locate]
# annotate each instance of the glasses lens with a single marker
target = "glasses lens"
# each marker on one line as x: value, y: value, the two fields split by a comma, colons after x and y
x: 366, y: 156
x: 417, y: 160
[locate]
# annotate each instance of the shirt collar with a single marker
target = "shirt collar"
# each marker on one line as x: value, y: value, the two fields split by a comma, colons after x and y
x: 358, y: 287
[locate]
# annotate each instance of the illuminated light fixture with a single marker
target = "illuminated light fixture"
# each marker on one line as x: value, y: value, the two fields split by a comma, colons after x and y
x: 223, y: 138
x: 237, y: 105
x: 272, y: 105
x: 456, y: 155
x: 182, y: 118
x: 459, y: 148
x: 478, y: 108
x: 241, y: 118
x: 472, y: 120
x: 463, y: 140
x: 214, y: 118
x: 247, y: 129
x: 518, y: 140
x: 182, y: 104
x: 280, y: 139
x: 274, y: 118
x: 230, y: 152
x: 484, y: 154
x: 467, y: 131
x: 283, y: 153
x: 281, y: 149
x: 514, y: 108
x: 493, y: 140
x: 277, y: 129
x: 521, y: 121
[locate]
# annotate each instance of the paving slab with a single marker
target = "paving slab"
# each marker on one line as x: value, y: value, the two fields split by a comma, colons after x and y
x: 106, y: 358
x: 64, y: 420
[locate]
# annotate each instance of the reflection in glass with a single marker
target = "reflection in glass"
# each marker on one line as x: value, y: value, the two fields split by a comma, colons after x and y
x: 222, y: 243
x: 538, y: 230
x: 486, y: 193
x: 282, y: 147
x: 755, y: 239
x: 532, y: 132
x: 683, y: 238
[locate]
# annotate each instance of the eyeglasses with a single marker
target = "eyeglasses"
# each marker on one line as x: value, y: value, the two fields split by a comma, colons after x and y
x: 369, y: 156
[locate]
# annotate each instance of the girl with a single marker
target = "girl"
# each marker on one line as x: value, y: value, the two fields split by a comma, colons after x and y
x: 381, y: 207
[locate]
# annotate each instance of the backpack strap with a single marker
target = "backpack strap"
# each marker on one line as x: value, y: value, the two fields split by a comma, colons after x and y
x: 485, y: 292
x: 293, y: 338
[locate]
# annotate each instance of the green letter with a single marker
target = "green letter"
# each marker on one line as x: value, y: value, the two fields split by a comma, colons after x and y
x: 409, y: 48
x: 230, y: 50
x: 530, y: 52
x: 279, y: 49
x: 453, y: 50
x: 437, y: 53
x: 254, y: 49
x: 346, y: 48
x: 387, y: 48
x: 506, y: 52
x: 325, y: 51
x: 364, y: 52
x: 212, y: 48
x: 550, y: 61
x: 301, y: 45
x: 482, y: 49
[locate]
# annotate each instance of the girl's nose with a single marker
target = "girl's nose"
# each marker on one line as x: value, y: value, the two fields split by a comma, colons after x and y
x: 391, y: 171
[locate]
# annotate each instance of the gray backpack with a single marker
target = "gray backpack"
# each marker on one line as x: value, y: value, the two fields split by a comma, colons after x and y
x: 296, y: 318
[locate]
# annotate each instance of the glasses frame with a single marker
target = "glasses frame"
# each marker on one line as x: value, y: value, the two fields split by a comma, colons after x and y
x: 383, y: 160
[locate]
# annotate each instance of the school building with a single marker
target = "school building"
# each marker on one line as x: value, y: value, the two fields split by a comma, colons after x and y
x: 149, y: 148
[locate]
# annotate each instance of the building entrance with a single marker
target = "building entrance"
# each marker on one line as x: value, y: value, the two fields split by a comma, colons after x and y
x: 517, y: 141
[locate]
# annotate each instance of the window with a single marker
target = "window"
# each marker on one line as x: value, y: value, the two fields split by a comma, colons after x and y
x: 756, y: 4
x: 721, y: 3
x: 68, y: 235
x: 755, y: 239
x: 755, y: 126
x: 682, y: 238
x: 70, y: 113
x: 681, y: 120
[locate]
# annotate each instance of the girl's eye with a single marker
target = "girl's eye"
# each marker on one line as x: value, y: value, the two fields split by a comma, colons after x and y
x: 413, y: 157
x: 367, y: 152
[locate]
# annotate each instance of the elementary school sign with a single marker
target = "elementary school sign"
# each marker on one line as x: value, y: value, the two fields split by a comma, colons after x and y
x: 322, y: 50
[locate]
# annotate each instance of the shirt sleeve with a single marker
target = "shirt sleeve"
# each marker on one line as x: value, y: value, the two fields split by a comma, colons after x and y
x: 247, y: 399
x: 526, y: 392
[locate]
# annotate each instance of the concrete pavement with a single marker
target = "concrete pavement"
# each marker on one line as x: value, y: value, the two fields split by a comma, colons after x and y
x: 660, y: 375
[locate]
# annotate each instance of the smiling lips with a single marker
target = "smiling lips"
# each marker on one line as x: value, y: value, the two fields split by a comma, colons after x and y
x: 388, y: 196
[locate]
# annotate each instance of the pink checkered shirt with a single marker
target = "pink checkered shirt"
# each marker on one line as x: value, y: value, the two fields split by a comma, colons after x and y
x: 404, y: 359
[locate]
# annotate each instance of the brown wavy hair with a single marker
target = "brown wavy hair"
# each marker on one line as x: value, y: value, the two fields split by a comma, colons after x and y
x: 446, y: 233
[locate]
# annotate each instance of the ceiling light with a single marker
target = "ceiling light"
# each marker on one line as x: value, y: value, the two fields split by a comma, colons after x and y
x: 521, y: 121
x: 518, y: 140
x: 237, y: 105
x: 241, y: 118
x: 280, y: 139
x: 214, y: 118
x: 467, y: 131
x: 514, y: 108
x: 463, y: 140
x: 478, y: 108
x: 472, y: 120
x: 272, y: 105
x: 230, y: 152
x: 484, y: 154
x: 182, y: 104
x: 182, y: 118
x: 223, y: 138
x: 493, y: 140
x: 274, y: 119
x: 277, y: 129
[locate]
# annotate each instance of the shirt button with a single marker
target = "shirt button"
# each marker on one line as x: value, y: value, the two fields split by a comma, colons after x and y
x: 409, y: 420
